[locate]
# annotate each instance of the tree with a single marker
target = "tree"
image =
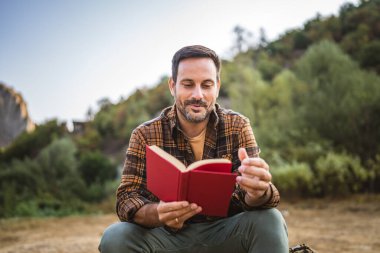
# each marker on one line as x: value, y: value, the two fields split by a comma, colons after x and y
x: 95, y: 168
x: 48, y: 184
x: 263, y: 41
x: 342, y: 102
x: 244, y: 84
x: 242, y: 39
x: 369, y: 56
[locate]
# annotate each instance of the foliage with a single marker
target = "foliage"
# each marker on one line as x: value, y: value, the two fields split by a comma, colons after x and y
x: 267, y: 66
x: 30, y: 144
x: 89, y: 140
x: 342, y: 102
x: 277, y: 129
x: 116, y: 122
x: 333, y: 174
x: 96, y: 169
x: 369, y: 56
x: 52, y: 183
x: 354, y: 30
x: 241, y: 78
x: 294, y: 180
x: 339, y: 174
x: 374, y: 174
x: 34, y: 180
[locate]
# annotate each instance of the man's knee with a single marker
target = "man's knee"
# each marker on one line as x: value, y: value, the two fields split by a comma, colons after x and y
x: 265, y: 216
x: 119, y: 237
x: 267, y: 230
x: 271, y: 216
x: 267, y: 222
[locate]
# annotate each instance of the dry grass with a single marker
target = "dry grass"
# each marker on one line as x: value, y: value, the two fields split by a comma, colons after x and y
x: 351, y: 225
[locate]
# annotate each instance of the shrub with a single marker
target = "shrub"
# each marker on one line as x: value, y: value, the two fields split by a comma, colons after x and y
x: 57, y: 163
x: 95, y: 170
x: 293, y: 180
x: 340, y: 174
x: 95, y: 193
x: 30, y: 144
x: 49, y: 184
x: 94, y: 167
x: 374, y: 174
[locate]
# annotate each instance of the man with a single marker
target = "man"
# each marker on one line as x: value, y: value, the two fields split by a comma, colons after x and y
x: 196, y: 128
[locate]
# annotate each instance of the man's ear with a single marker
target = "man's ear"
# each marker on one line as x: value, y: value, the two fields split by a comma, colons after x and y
x: 171, y: 84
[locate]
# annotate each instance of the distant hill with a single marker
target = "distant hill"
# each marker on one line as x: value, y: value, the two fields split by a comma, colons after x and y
x: 356, y: 29
x: 14, y: 117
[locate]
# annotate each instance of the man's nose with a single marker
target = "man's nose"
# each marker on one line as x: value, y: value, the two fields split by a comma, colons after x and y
x: 197, y: 93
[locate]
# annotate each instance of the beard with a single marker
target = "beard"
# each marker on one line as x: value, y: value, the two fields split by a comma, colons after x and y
x: 190, y: 115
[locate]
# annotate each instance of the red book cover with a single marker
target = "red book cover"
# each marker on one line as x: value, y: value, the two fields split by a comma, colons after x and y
x: 208, y: 183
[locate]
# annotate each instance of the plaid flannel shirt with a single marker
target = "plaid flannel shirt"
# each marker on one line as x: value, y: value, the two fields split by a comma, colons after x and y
x: 226, y: 132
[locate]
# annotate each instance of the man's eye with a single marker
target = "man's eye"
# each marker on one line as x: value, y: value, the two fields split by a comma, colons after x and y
x: 208, y: 85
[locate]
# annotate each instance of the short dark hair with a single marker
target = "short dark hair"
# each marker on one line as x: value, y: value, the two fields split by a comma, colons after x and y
x: 195, y: 51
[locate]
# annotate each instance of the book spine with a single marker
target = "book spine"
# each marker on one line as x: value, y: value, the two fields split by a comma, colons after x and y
x: 183, y: 186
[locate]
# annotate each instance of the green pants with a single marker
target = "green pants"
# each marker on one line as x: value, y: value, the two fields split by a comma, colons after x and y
x: 254, y: 231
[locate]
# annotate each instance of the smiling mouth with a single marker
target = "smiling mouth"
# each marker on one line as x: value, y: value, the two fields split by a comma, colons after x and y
x: 195, y: 108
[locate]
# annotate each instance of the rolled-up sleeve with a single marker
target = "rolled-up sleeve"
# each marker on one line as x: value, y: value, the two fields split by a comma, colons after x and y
x: 132, y: 193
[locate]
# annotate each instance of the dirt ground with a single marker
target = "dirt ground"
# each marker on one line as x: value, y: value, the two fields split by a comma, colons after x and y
x: 351, y: 225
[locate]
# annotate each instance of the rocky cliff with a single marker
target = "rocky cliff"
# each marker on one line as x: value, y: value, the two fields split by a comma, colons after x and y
x: 14, y: 117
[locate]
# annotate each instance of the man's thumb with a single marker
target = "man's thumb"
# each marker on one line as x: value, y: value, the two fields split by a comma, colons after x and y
x: 242, y: 154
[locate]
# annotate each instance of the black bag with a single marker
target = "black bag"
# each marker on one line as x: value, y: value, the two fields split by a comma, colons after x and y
x: 302, y: 248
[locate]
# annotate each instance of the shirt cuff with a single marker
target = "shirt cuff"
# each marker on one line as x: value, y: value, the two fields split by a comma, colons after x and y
x: 267, y: 196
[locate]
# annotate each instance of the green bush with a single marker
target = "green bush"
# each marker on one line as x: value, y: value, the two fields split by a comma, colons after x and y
x: 340, y: 175
x: 49, y: 184
x: 30, y: 144
x: 19, y: 181
x: 90, y: 140
x: 94, y: 167
x: 47, y: 207
x: 293, y: 180
x: 26, y: 208
x: 370, y: 56
x: 58, y: 165
x: 95, y: 193
x: 342, y: 102
x: 374, y: 174
x: 309, y: 152
x: 268, y: 69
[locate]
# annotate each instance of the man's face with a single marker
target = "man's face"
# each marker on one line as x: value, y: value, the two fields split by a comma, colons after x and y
x: 196, y: 88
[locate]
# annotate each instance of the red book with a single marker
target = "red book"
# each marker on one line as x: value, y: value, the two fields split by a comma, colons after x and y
x: 208, y: 183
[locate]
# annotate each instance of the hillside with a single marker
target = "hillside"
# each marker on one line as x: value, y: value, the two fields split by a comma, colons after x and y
x: 356, y: 30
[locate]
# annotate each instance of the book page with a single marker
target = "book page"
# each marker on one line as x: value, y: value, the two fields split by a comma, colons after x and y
x: 207, y: 161
x: 168, y: 157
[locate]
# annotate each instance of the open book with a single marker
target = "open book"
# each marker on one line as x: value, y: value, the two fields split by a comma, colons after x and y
x: 208, y: 183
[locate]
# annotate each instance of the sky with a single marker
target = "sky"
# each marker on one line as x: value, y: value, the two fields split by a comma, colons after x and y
x: 63, y: 56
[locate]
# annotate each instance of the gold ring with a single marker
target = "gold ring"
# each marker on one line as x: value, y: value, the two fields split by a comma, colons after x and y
x: 176, y: 220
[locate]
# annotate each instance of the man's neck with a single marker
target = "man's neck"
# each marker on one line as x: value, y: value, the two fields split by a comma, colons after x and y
x: 191, y: 129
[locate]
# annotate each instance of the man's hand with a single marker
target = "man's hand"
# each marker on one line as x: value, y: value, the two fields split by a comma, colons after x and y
x: 255, y: 177
x: 174, y: 214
